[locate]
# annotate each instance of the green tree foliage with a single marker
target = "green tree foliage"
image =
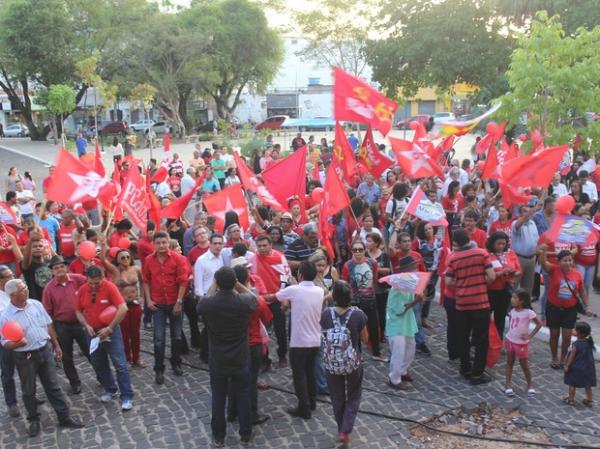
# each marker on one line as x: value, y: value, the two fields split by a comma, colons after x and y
x: 439, y: 43
x: 242, y: 51
x: 554, y: 79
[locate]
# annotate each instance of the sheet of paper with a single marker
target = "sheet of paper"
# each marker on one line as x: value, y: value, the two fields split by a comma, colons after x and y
x: 94, y: 343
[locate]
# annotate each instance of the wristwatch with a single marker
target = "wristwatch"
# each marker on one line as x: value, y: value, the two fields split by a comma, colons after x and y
x: 180, y: 301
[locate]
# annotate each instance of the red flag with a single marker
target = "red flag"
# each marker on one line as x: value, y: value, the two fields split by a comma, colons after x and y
x: 492, y: 167
x: 134, y: 199
x: 72, y: 181
x: 98, y: 164
x: 167, y: 151
x: 316, y: 174
x: 7, y: 216
x: 335, y: 198
x: 154, y: 211
x: 371, y: 158
x: 356, y: 101
x: 420, y: 206
x: 344, y: 154
x: 412, y: 282
x: 512, y: 195
x: 229, y: 199
x: 534, y: 170
x: 286, y: 179
x: 414, y: 160
x: 176, y: 208
x: 251, y: 182
x: 159, y: 175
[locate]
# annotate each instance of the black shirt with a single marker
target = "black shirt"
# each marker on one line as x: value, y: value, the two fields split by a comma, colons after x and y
x: 36, y: 278
x: 226, y: 314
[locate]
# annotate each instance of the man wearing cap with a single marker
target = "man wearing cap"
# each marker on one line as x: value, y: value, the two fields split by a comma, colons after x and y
x: 302, y: 248
x: 287, y: 226
x: 60, y: 301
x: 33, y: 355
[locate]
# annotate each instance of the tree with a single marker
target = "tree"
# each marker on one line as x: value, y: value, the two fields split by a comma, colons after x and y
x: 144, y: 94
x: 337, y: 33
x: 242, y: 51
x: 61, y: 100
x: 553, y: 78
x: 433, y: 43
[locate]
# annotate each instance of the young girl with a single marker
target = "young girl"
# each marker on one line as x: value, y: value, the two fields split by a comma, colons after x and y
x: 517, y: 338
x: 580, y: 371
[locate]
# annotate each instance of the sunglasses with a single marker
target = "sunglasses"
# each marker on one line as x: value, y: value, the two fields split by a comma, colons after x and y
x: 358, y: 250
x: 124, y: 257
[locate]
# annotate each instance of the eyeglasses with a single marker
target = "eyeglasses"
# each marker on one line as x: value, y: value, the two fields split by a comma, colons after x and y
x: 358, y: 250
x: 124, y: 258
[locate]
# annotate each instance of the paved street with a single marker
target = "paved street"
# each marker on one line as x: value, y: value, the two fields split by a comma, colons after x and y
x: 177, y: 414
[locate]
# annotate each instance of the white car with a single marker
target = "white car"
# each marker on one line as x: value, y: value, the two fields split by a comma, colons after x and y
x: 16, y: 130
x: 440, y: 117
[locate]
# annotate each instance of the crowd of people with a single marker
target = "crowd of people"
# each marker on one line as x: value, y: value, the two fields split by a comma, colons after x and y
x: 238, y: 288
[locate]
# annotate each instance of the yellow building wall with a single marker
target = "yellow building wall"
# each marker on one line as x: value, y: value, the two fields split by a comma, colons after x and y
x: 444, y: 103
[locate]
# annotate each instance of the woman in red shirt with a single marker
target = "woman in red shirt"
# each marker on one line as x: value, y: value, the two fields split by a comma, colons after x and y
x: 506, y: 266
x: 452, y: 203
x: 503, y: 224
x: 586, y: 261
x: 564, y: 289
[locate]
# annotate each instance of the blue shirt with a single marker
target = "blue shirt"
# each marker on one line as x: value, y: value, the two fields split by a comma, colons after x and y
x: 51, y: 225
x: 539, y: 218
x: 34, y: 320
x: 211, y: 185
x: 353, y: 141
x: 81, y: 145
x: 370, y: 194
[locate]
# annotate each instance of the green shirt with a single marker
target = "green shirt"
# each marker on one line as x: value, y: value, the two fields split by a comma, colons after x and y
x: 400, y: 322
x: 215, y: 164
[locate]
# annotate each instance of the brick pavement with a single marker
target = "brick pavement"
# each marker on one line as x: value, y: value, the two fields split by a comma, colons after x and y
x: 177, y: 414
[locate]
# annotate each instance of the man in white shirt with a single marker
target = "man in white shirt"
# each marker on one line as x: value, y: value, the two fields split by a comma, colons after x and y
x: 25, y: 200
x: 7, y: 363
x: 587, y: 186
x: 306, y: 300
x: 204, y: 273
x: 558, y: 188
x: 188, y: 181
x: 453, y: 175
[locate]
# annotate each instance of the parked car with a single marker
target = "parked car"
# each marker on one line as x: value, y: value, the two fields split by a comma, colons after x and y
x: 142, y: 125
x: 422, y: 118
x: 112, y: 128
x: 310, y: 124
x: 273, y: 122
x: 16, y: 130
x: 440, y: 117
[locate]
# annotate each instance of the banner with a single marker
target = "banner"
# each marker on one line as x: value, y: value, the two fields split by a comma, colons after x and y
x: 134, y: 199
x: 413, y: 282
x: 572, y: 230
x: 420, y: 206
x: 7, y: 216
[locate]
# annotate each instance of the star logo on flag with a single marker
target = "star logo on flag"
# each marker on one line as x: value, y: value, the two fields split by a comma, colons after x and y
x: 418, y: 159
x: 88, y: 185
x: 229, y: 207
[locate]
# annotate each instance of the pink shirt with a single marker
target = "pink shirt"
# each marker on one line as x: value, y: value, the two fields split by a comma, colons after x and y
x: 519, y: 325
x: 306, y: 301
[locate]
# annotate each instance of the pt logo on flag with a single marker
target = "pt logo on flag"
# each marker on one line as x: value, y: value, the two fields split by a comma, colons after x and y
x: 575, y: 230
x: 135, y: 198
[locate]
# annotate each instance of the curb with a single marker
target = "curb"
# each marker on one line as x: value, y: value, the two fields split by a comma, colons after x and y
x: 21, y: 153
x: 544, y: 335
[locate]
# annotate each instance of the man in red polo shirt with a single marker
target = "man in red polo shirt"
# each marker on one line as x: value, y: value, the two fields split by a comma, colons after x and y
x: 145, y: 247
x: 476, y: 235
x: 469, y: 271
x: 105, y: 340
x: 201, y: 246
x: 166, y: 277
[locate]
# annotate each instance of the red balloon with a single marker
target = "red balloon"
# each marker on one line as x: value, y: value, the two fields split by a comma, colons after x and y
x: 114, y: 251
x: 107, y: 315
x: 492, y: 128
x: 13, y: 331
x: 124, y: 243
x: 523, y: 137
x: 317, y: 194
x: 536, y: 138
x: 564, y: 204
x: 87, y: 249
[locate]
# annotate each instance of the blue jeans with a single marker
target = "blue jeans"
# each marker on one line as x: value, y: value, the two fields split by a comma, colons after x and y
x: 7, y: 371
x: 320, y: 376
x: 587, y: 272
x: 160, y: 330
x: 420, y: 337
x: 220, y: 382
x: 113, y: 349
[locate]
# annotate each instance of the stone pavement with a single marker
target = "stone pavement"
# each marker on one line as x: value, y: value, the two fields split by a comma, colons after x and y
x: 177, y: 414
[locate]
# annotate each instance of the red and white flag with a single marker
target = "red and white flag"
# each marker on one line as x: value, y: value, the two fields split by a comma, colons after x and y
x: 371, y: 158
x: 420, y: 206
x: 286, y: 179
x: 414, y: 160
x: 251, y: 182
x: 230, y: 199
x: 343, y: 155
x: 412, y: 282
x: 7, y: 216
x: 134, y: 199
x: 335, y: 198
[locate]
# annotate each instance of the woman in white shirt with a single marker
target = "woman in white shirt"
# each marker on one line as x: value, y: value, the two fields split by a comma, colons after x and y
x: 116, y: 149
x: 232, y: 177
x: 367, y: 227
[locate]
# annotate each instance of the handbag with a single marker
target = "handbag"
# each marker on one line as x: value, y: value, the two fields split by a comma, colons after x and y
x: 580, y: 306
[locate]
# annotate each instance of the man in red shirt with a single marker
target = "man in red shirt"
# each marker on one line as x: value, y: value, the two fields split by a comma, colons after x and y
x: 10, y: 253
x: 201, y: 246
x: 166, y: 277
x: 469, y: 271
x: 476, y: 235
x: 60, y: 301
x: 65, y: 235
x: 402, y: 249
x: 93, y: 298
x: 145, y: 247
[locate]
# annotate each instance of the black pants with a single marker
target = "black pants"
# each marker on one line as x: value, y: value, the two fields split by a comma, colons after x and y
x: 40, y: 363
x: 345, y: 393
x: 302, y: 361
x: 279, y: 328
x: 452, y: 344
x: 370, y: 309
x: 67, y: 333
x: 499, y: 302
x: 381, y: 300
x: 189, y: 309
x: 474, y: 323
x: 255, y: 361
x: 429, y: 295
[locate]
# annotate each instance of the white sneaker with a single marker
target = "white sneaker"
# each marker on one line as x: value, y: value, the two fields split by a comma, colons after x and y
x: 107, y: 396
x: 127, y: 404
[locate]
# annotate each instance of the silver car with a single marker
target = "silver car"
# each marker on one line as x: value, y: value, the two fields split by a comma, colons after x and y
x: 16, y: 130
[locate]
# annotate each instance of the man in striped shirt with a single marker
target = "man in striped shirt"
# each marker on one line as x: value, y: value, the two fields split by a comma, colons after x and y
x: 469, y: 271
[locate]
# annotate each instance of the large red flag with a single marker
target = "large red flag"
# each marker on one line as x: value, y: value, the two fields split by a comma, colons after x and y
x: 356, y: 101
x: 492, y: 166
x: 98, y: 164
x: 134, y: 199
x: 176, y: 208
x: 534, y: 170
x: 251, y: 182
x: 344, y: 154
x: 414, y: 160
x: 229, y: 199
x: 335, y: 198
x: 154, y: 211
x: 72, y: 181
x: 371, y: 158
x: 286, y: 179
